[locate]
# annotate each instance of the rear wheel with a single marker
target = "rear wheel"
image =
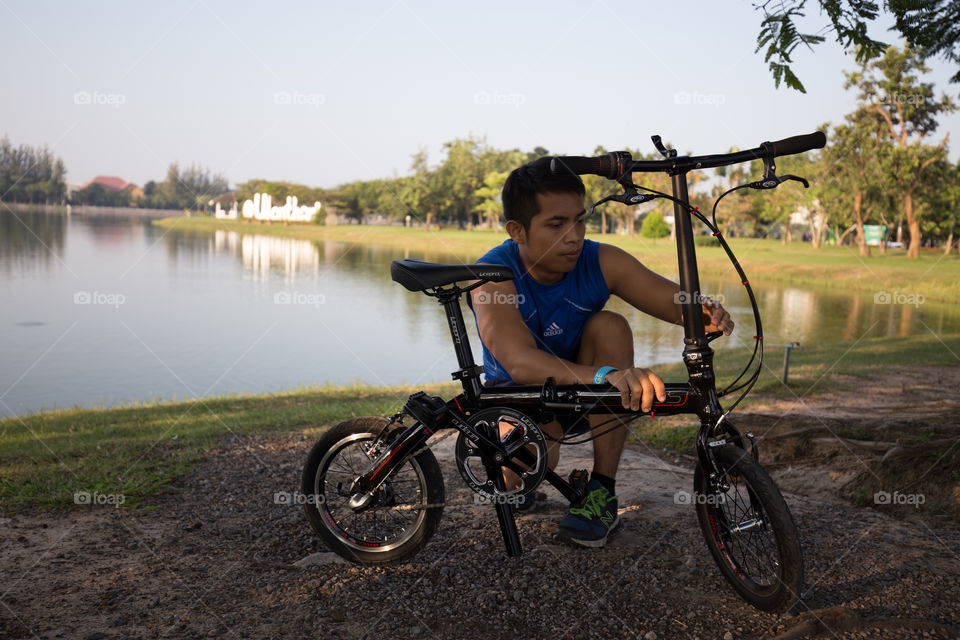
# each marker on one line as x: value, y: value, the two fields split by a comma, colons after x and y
x: 749, y: 531
x: 405, y: 510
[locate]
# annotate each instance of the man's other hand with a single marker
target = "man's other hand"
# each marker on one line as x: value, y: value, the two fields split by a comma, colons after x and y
x: 716, y: 318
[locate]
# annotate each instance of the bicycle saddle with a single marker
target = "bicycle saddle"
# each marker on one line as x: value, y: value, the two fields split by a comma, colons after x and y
x: 417, y: 275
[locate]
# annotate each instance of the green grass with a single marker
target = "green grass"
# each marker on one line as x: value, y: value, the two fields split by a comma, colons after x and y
x: 137, y: 450
x: 765, y: 260
x: 811, y: 366
x: 838, y: 366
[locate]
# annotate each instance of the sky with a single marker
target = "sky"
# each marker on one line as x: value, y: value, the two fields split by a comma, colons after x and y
x: 323, y: 93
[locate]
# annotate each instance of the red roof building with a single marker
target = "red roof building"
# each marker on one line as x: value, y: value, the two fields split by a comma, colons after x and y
x: 111, y: 183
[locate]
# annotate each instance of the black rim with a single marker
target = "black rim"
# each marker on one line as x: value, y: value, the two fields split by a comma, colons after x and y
x: 745, y: 537
x: 397, y: 511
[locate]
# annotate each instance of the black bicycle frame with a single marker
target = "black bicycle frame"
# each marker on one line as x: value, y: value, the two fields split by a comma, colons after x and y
x: 697, y: 396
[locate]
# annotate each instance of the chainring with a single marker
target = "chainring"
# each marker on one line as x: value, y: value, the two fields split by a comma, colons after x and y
x: 519, y: 430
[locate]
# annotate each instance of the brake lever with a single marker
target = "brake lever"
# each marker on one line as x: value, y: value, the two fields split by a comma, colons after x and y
x: 629, y: 197
x: 775, y: 181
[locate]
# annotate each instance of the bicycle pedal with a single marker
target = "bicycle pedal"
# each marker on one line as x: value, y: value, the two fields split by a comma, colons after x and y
x: 578, y: 480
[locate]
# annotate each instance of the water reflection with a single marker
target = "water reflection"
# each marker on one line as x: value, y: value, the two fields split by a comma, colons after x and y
x: 201, y: 314
x: 30, y: 240
x: 261, y: 255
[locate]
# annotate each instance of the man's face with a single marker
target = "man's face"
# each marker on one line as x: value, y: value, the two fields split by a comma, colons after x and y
x: 555, y: 238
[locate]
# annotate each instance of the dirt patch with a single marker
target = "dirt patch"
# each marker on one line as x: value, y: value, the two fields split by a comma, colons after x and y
x: 214, y: 557
x: 891, y: 441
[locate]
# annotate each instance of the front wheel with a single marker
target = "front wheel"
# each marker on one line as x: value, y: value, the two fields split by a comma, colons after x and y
x: 405, y: 510
x: 749, y: 531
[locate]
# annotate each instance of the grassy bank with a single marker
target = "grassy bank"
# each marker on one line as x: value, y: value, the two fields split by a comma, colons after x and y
x: 839, y: 366
x: 765, y: 260
x: 135, y: 451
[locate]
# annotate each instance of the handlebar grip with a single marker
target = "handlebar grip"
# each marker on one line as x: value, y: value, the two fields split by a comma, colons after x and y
x: 799, y: 144
x: 611, y: 165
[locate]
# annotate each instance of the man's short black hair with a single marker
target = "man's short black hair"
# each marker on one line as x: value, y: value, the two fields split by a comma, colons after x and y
x: 524, y: 183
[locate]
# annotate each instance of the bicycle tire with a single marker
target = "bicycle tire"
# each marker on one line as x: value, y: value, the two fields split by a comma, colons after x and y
x: 343, y: 537
x: 738, y: 525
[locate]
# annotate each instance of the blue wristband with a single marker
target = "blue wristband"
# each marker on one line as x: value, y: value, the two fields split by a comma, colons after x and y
x: 602, y: 373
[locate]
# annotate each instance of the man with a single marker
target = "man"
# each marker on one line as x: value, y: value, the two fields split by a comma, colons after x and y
x: 549, y: 322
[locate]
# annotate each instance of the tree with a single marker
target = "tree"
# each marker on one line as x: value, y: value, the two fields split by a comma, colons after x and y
x: 852, y: 173
x: 31, y: 175
x: 931, y: 25
x: 952, y: 202
x: 459, y: 176
x: 420, y: 193
x: 906, y: 111
x: 654, y: 226
x: 490, y: 205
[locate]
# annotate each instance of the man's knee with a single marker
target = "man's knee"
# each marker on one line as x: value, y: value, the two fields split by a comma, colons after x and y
x: 607, y: 333
x: 606, y: 328
x: 607, y: 321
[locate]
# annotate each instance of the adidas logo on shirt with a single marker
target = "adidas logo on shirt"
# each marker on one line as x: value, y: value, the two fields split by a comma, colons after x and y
x: 553, y: 330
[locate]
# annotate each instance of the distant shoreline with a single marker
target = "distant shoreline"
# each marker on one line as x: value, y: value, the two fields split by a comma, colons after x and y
x: 89, y: 210
x: 932, y: 276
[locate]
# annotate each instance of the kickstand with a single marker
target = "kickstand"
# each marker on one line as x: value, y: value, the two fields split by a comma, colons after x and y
x: 508, y: 526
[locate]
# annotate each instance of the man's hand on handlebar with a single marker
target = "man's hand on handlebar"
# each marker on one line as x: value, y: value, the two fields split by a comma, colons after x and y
x: 716, y: 318
x: 638, y: 388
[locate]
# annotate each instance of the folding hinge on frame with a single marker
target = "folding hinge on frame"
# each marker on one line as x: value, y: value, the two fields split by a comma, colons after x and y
x: 469, y: 372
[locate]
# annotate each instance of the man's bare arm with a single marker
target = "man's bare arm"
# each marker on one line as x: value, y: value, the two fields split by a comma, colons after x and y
x: 652, y: 293
x: 513, y: 345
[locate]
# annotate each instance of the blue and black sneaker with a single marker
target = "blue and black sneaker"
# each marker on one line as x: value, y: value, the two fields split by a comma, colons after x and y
x: 591, y: 524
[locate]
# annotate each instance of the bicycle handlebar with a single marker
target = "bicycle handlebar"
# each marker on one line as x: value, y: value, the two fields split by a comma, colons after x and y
x: 617, y: 163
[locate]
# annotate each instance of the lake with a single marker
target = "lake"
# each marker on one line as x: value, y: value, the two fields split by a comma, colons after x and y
x: 102, y: 311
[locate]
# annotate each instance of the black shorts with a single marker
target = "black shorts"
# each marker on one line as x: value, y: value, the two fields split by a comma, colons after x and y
x: 571, y: 425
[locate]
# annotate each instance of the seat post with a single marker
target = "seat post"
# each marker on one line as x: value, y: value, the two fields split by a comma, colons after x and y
x: 469, y: 377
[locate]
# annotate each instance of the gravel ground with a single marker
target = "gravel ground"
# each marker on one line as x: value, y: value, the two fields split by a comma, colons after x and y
x: 214, y: 557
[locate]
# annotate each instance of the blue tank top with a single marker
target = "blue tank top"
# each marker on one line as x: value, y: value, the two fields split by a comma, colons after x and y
x: 555, y: 313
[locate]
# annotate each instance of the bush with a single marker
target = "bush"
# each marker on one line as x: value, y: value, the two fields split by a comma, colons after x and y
x: 654, y: 226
